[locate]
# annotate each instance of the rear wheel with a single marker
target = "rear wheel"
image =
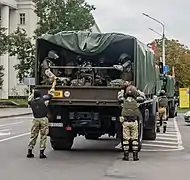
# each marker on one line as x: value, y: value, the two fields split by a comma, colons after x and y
x: 62, y: 143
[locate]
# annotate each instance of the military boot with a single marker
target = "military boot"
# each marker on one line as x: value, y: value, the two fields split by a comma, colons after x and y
x: 126, y: 156
x: 164, y: 129
x: 158, y: 130
x: 135, y: 156
x: 42, y: 155
x: 30, y: 155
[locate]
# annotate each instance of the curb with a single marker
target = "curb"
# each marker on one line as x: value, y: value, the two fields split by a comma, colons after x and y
x: 15, y: 115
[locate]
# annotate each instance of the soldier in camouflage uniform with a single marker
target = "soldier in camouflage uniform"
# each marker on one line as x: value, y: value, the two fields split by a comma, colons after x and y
x: 39, y: 107
x: 129, y: 119
x: 162, y: 111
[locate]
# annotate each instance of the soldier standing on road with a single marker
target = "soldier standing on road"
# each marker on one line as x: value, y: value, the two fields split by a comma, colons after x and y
x: 162, y: 111
x: 39, y: 107
x: 129, y: 119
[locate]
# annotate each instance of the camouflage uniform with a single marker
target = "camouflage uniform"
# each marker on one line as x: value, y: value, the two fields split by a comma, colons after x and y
x: 162, y: 113
x: 129, y: 120
x: 39, y: 125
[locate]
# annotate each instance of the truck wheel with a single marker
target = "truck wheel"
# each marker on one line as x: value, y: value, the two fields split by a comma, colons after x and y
x: 171, y: 113
x: 62, y: 144
x: 92, y: 136
x: 140, y: 135
x: 150, y: 134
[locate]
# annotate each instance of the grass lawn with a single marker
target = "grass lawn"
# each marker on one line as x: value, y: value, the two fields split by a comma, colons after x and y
x: 183, y: 110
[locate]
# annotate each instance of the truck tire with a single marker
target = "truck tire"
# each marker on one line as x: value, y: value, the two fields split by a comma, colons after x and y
x: 140, y: 134
x: 92, y: 136
x: 171, y: 113
x: 61, y: 143
x: 150, y: 134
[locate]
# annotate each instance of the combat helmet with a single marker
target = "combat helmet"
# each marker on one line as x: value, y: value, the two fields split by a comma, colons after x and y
x: 131, y: 91
x: 52, y: 55
x: 123, y: 58
x: 162, y: 93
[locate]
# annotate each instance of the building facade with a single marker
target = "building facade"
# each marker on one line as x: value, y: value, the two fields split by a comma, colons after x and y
x: 13, y: 14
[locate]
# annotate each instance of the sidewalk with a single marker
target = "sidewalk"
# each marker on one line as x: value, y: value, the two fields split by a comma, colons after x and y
x: 13, y: 112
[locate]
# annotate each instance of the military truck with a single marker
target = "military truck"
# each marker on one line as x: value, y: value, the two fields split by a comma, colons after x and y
x: 91, y: 109
x: 173, y: 100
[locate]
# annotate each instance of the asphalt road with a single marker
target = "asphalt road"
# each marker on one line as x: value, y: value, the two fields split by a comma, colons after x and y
x: 166, y: 158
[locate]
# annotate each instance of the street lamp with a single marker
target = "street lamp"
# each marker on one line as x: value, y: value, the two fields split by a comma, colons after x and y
x: 155, y: 31
x: 163, y: 37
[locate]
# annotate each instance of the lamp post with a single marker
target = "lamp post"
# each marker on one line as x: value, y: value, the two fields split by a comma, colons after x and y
x: 155, y: 31
x: 163, y: 37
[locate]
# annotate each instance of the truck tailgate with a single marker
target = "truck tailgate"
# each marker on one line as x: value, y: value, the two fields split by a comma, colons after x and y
x: 88, y: 95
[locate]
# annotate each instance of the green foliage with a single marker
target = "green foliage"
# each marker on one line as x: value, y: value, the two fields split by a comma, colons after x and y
x: 59, y: 15
x: 3, y: 40
x: 54, y: 16
x: 21, y: 46
x: 1, y: 75
x: 177, y: 55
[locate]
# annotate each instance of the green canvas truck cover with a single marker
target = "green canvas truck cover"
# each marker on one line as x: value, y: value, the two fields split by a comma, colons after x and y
x: 87, y: 43
x: 170, y: 86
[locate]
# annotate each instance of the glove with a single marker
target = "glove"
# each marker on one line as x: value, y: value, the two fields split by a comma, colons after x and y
x: 118, y: 67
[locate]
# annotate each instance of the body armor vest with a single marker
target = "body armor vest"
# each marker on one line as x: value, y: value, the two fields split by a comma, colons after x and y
x: 163, y: 102
x: 130, y: 107
x: 39, y: 108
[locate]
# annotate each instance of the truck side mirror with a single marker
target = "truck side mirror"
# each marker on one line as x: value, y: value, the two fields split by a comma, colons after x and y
x: 140, y: 99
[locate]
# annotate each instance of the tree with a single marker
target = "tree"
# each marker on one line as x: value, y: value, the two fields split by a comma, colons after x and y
x: 1, y: 76
x: 3, y: 40
x: 21, y: 46
x: 177, y: 55
x: 3, y: 49
x: 59, y: 15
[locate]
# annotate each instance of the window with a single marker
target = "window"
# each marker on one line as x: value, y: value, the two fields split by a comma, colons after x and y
x: 22, y: 18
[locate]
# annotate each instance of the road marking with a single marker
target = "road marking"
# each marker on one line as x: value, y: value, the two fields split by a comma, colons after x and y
x: 14, y: 137
x: 159, y: 145
x: 167, y: 134
x: 2, y: 125
x: 5, y: 134
x: 2, y: 130
x: 163, y: 142
x: 165, y: 138
x: 22, y: 117
x: 180, y: 146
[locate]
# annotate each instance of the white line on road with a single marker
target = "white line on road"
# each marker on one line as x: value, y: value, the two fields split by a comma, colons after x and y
x: 164, y: 142
x: 14, y: 137
x: 161, y: 135
x: 159, y: 145
x: 5, y: 134
x: 2, y: 125
x: 165, y: 138
x: 178, y: 135
x: 2, y: 130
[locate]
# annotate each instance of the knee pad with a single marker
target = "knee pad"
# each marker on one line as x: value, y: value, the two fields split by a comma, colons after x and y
x: 135, y: 145
x: 125, y: 145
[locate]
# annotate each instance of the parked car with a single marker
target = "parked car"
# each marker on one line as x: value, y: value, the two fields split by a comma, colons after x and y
x: 187, y: 116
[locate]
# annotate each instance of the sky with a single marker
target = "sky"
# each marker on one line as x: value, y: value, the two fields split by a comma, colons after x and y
x: 125, y: 16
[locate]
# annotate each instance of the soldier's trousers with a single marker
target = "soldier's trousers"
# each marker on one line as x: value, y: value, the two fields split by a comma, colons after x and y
x: 130, y: 132
x: 39, y: 125
x: 161, y: 116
